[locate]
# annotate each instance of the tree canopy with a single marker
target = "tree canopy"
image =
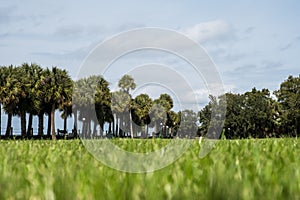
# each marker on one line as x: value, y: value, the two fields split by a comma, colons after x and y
x: 30, y: 90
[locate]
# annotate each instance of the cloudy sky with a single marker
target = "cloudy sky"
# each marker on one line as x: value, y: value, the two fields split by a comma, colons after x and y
x: 253, y: 43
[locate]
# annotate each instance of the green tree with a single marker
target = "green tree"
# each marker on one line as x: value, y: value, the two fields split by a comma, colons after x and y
x: 10, y: 94
x: 102, y: 103
x: 158, y: 115
x: 92, y: 98
x: 188, y: 124
x: 30, y: 75
x: 126, y: 83
x: 84, y: 102
x: 3, y: 74
x: 141, y: 108
x: 289, y: 98
x: 247, y: 115
x: 120, y: 104
x: 57, y: 89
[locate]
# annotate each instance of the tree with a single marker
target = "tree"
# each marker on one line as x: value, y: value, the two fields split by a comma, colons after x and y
x: 3, y: 74
x: 102, y: 103
x: 160, y: 112
x: 57, y: 90
x: 258, y: 113
x: 158, y: 115
x: 247, y: 115
x: 188, y: 124
x: 141, y: 109
x: 29, y: 74
x: 126, y: 83
x: 120, y: 104
x: 92, y: 99
x: 289, y: 98
x: 10, y: 94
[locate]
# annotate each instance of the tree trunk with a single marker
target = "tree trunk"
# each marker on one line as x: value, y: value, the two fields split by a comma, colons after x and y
x: 23, y: 123
x: 8, y: 127
x: 0, y: 120
x: 95, y: 129
x: 155, y: 127
x: 82, y: 129
x: 296, y: 127
x: 65, y: 124
x: 89, y: 128
x: 130, y: 122
x: 49, y: 125
x: 41, y: 124
x: 29, y: 128
x: 117, y: 126
x: 75, y: 120
x: 121, y: 126
x: 101, y: 129
x: 147, y: 131
x: 114, y: 125
x: 109, y: 127
x: 53, y: 122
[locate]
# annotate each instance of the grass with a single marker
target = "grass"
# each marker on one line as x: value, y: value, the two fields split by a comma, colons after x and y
x: 237, y: 169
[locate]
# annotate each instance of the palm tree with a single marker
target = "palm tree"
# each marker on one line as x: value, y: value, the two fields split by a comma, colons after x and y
x: 126, y: 83
x: 3, y: 74
x: 10, y: 94
x: 55, y: 90
x: 141, y: 108
x: 91, y: 98
x: 158, y: 115
x: 120, y: 102
x: 23, y: 86
x: 102, y: 102
x: 66, y: 109
x: 32, y: 73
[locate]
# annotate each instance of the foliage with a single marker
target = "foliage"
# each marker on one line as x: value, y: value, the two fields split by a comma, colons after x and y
x: 289, y: 98
x: 247, y: 115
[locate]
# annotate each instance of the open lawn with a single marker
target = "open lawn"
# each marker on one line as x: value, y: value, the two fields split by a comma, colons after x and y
x: 237, y: 169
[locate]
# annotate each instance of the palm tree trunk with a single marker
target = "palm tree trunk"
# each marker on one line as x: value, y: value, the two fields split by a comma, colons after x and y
x: 0, y: 119
x: 49, y: 125
x: 114, y: 125
x: 23, y: 123
x: 109, y: 127
x: 82, y: 129
x: 53, y: 123
x: 130, y: 121
x: 147, y: 131
x: 8, y: 127
x: 41, y: 124
x: 75, y: 120
x: 65, y: 124
x: 121, y: 126
x: 117, y: 126
x: 296, y: 127
x: 155, y: 127
x: 101, y: 129
x: 90, y: 128
x: 29, y: 128
x: 95, y: 129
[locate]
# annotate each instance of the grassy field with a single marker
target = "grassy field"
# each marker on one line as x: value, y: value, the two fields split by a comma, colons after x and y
x: 240, y: 169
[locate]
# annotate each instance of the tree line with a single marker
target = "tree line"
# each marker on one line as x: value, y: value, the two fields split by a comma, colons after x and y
x: 30, y: 90
x: 255, y: 114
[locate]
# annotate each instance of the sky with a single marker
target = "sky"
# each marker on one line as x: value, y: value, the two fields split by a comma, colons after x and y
x: 252, y: 43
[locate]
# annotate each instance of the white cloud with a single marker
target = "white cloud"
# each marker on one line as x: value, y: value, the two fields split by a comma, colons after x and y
x: 209, y: 30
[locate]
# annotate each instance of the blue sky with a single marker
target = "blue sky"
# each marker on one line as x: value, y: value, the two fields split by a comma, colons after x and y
x: 253, y: 43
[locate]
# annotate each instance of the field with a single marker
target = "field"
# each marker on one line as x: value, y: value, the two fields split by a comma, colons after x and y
x: 237, y: 169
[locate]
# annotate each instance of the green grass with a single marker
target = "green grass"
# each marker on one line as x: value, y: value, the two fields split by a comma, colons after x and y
x: 239, y: 169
